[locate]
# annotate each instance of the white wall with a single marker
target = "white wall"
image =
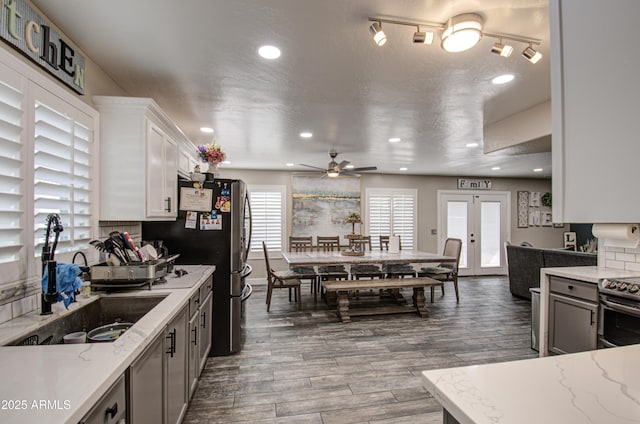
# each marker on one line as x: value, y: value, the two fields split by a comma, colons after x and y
x: 427, y: 204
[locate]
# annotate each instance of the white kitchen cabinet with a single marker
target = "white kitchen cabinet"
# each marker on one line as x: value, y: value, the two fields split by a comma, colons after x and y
x: 187, y: 161
x: 594, y: 97
x: 176, y: 363
x: 139, y: 154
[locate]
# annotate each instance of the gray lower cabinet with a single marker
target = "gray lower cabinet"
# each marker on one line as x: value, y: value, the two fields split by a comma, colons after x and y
x: 111, y: 408
x: 206, y: 323
x: 145, y: 385
x: 573, y: 316
x: 194, y: 350
x: 176, y: 362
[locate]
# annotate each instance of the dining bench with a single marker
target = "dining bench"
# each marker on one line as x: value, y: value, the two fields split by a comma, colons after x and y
x: 350, y: 289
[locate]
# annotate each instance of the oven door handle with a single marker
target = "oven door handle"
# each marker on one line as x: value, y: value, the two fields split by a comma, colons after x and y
x: 616, y: 306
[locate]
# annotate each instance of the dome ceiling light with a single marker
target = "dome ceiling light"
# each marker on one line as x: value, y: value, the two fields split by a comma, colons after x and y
x: 460, y: 33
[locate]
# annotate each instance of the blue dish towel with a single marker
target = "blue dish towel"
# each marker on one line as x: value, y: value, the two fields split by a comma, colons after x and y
x: 67, y: 282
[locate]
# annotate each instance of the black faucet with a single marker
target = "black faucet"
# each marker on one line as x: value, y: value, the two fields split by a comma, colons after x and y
x: 50, y: 296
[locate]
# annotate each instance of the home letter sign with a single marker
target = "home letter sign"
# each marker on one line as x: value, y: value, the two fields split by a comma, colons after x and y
x: 474, y: 184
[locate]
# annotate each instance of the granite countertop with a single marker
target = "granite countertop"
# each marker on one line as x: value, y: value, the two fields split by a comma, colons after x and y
x: 72, y: 378
x: 600, y: 386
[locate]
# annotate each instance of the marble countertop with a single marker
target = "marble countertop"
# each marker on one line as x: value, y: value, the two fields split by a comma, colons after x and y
x: 72, y: 378
x: 590, y: 274
x: 600, y: 386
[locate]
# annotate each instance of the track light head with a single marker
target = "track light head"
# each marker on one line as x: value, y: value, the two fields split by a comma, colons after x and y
x: 378, y: 34
x: 503, y: 50
x: 531, y: 55
x: 423, y: 37
x: 462, y: 32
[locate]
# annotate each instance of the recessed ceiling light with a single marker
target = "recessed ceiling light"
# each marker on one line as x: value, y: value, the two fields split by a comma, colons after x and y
x: 306, y: 134
x: 394, y: 139
x: 206, y: 129
x: 537, y: 170
x: 289, y: 164
x: 495, y: 168
x: 472, y: 144
x: 269, y: 52
x: 502, y: 79
x: 404, y: 169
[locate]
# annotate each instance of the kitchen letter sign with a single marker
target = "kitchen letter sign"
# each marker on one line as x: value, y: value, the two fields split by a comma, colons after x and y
x: 25, y: 30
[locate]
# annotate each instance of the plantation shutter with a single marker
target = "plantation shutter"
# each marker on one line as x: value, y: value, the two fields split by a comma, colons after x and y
x: 392, y: 212
x: 12, y: 186
x: 266, y: 217
x: 62, y: 172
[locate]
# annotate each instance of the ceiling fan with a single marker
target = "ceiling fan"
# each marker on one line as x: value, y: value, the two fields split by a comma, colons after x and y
x: 335, y: 169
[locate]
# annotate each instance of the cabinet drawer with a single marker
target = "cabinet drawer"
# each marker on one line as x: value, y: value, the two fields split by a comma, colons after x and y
x: 194, y: 303
x: 574, y: 288
x: 206, y: 288
x: 112, y: 408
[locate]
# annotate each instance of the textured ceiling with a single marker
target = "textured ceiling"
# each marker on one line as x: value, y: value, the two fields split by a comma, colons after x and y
x: 198, y: 60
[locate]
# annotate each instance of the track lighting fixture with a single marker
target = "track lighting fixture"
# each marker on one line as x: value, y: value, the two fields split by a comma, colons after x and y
x: 459, y: 33
x: 531, y: 55
x: 502, y: 49
x: 462, y: 32
x: 423, y: 37
x: 378, y: 34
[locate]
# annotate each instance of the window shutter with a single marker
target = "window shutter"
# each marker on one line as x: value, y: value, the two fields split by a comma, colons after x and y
x: 266, y: 218
x: 62, y: 177
x: 12, y: 222
x: 392, y: 212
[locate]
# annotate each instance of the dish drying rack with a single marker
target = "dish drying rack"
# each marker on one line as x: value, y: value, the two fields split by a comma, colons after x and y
x: 133, y: 275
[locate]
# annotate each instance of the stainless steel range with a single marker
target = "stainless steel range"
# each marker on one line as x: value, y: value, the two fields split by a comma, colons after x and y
x: 619, y: 323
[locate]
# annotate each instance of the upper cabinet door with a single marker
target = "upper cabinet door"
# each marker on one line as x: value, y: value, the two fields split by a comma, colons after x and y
x: 139, y: 151
x: 595, y: 94
x: 161, y: 174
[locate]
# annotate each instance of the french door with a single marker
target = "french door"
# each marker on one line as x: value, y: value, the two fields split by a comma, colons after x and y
x: 481, y: 220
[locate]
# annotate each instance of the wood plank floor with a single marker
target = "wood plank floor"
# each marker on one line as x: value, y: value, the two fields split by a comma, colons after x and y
x: 307, y: 367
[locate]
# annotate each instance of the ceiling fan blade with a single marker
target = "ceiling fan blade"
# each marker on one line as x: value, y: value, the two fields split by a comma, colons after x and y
x: 343, y: 164
x: 366, y: 168
x: 349, y: 174
x: 314, y: 167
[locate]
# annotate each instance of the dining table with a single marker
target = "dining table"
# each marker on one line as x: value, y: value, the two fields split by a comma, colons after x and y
x: 340, y: 290
x: 315, y: 258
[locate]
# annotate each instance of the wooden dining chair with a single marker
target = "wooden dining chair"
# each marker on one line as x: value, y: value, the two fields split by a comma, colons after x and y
x: 446, y: 271
x: 304, y: 244
x: 330, y: 272
x: 358, y: 271
x: 281, y: 280
x: 394, y: 270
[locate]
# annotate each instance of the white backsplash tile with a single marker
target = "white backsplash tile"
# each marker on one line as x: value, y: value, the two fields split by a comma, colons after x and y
x: 5, y: 312
x: 24, y: 305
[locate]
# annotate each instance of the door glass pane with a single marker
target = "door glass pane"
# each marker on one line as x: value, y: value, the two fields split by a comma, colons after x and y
x: 490, y: 250
x: 457, y: 224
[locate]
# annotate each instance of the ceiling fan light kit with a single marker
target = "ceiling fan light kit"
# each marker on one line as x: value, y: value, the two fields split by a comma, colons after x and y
x: 460, y: 33
x: 344, y: 168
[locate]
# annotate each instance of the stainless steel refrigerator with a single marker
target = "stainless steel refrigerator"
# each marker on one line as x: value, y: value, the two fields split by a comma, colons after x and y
x: 213, y: 227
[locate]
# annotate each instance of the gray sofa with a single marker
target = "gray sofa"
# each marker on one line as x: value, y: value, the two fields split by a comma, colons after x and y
x: 525, y: 263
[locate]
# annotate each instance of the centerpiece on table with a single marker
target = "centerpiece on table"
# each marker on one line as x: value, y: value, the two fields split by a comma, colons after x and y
x: 213, y: 155
x: 353, y: 218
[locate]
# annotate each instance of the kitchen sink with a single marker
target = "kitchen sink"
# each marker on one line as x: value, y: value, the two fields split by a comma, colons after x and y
x: 103, y: 311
